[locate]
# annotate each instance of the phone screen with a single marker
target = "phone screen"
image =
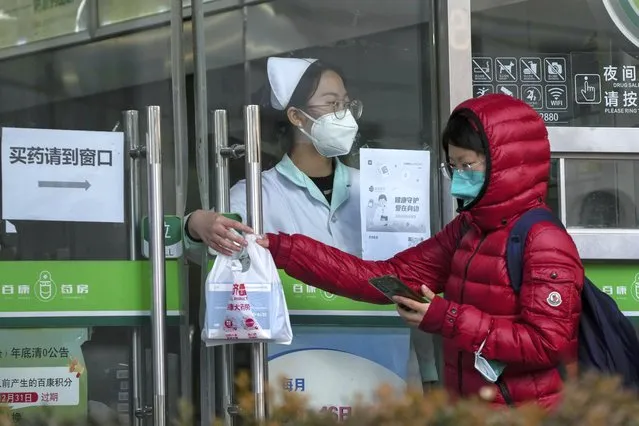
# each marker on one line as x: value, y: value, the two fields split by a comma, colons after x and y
x: 392, y: 286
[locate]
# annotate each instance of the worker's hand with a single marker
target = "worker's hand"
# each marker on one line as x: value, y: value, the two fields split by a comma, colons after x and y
x: 263, y: 241
x: 416, y: 310
x: 216, y: 231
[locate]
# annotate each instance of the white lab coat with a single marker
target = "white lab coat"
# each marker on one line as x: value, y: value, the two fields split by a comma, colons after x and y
x: 293, y: 204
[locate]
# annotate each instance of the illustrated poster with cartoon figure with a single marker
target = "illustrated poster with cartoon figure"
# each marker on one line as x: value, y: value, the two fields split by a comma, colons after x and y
x: 395, y: 200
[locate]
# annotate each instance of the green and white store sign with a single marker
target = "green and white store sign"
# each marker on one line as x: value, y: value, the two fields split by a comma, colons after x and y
x: 621, y: 282
x: 302, y: 299
x: 306, y: 300
x: 54, y: 289
x: 59, y: 289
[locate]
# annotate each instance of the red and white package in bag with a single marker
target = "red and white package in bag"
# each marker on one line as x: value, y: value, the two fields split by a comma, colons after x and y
x: 245, y: 300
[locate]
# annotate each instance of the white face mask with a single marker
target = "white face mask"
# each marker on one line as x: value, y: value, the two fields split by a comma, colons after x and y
x: 332, y: 136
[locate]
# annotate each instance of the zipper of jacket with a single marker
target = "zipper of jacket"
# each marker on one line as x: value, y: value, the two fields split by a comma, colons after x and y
x: 461, y: 301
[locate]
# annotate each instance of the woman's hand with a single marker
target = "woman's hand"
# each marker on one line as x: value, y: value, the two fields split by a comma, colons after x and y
x: 216, y: 231
x: 263, y: 241
x: 417, y: 311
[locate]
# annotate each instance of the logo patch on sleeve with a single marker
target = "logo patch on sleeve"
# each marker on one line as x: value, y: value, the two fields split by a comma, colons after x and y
x: 554, y: 299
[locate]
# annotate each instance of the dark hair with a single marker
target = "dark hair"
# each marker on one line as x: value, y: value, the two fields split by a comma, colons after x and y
x: 461, y: 133
x: 276, y: 127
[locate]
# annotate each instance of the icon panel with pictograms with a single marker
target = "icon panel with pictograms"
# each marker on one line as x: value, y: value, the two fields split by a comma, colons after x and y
x: 540, y: 80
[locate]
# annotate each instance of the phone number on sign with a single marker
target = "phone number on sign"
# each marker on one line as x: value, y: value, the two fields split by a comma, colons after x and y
x: 550, y: 117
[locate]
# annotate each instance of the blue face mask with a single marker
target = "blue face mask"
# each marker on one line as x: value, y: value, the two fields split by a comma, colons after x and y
x: 467, y: 185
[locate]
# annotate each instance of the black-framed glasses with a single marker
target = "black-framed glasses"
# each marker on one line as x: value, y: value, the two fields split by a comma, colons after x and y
x: 339, y: 108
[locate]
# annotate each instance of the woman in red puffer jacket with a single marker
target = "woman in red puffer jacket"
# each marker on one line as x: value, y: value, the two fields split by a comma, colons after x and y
x: 499, y: 157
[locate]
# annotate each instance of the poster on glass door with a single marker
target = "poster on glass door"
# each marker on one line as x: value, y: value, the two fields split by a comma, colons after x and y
x: 394, y: 199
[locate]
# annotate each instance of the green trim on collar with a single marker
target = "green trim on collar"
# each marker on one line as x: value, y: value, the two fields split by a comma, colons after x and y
x: 341, y: 182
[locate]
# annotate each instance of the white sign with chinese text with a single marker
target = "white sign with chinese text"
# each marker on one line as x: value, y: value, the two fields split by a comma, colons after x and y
x: 22, y: 387
x: 394, y: 199
x: 620, y: 89
x: 62, y: 175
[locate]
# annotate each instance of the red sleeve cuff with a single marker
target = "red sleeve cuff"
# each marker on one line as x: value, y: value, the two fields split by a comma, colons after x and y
x: 273, y: 244
x: 280, y: 247
x: 440, y: 318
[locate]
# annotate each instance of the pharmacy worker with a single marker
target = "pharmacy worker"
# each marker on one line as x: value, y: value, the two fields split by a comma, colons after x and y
x: 307, y: 109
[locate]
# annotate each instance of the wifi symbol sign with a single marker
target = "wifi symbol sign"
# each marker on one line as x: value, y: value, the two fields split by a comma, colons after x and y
x: 556, y: 97
x: 556, y: 92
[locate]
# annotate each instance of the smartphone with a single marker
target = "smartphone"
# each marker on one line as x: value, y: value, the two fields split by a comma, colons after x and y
x: 391, y: 286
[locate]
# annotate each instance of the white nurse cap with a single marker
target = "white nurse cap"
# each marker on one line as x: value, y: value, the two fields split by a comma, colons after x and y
x: 284, y: 74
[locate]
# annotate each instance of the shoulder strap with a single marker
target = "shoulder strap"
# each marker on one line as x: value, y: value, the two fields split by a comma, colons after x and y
x: 517, y: 240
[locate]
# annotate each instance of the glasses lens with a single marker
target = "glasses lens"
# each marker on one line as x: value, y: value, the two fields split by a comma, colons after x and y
x: 356, y: 108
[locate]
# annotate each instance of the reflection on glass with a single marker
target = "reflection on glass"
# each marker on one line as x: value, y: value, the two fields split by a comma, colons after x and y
x: 382, y: 59
x: 187, y: 3
x: 114, y: 11
x: 28, y: 21
x: 602, y: 193
x: 553, y: 187
x: 576, y: 73
x: 372, y: 94
x: 84, y: 87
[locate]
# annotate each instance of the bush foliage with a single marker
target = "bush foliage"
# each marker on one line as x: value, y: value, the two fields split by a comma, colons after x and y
x: 588, y: 401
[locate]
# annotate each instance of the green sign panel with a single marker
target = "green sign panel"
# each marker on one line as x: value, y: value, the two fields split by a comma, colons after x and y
x: 43, y: 367
x: 621, y: 282
x: 303, y: 299
x: 31, y: 289
x: 173, y: 247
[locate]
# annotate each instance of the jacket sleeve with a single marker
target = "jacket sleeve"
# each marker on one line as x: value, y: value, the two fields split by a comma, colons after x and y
x: 550, y: 307
x: 345, y: 275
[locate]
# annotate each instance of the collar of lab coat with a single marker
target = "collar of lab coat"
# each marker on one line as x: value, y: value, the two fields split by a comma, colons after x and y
x: 341, y: 182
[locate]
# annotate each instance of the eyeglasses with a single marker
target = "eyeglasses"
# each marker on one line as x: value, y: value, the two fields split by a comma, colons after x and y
x: 339, y: 108
x: 447, y: 168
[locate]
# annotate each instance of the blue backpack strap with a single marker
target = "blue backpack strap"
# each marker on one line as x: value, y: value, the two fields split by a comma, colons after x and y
x: 517, y: 240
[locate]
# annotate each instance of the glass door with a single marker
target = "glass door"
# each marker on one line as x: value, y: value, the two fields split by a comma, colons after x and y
x: 586, y: 91
x: 75, y: 285
x: 301, y: 62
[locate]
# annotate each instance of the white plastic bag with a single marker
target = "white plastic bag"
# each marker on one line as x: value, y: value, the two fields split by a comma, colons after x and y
x: 245, y: 300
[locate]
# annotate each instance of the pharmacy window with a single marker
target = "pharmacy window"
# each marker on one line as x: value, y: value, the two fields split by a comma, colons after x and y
x: 582, y: 76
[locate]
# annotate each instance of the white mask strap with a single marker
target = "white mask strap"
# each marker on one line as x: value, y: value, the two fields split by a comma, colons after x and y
x: 303, y: 131
x: 314, y: 120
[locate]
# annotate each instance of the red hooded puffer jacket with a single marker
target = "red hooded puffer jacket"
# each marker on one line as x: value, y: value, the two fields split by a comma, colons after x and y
x: 526, y: 331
